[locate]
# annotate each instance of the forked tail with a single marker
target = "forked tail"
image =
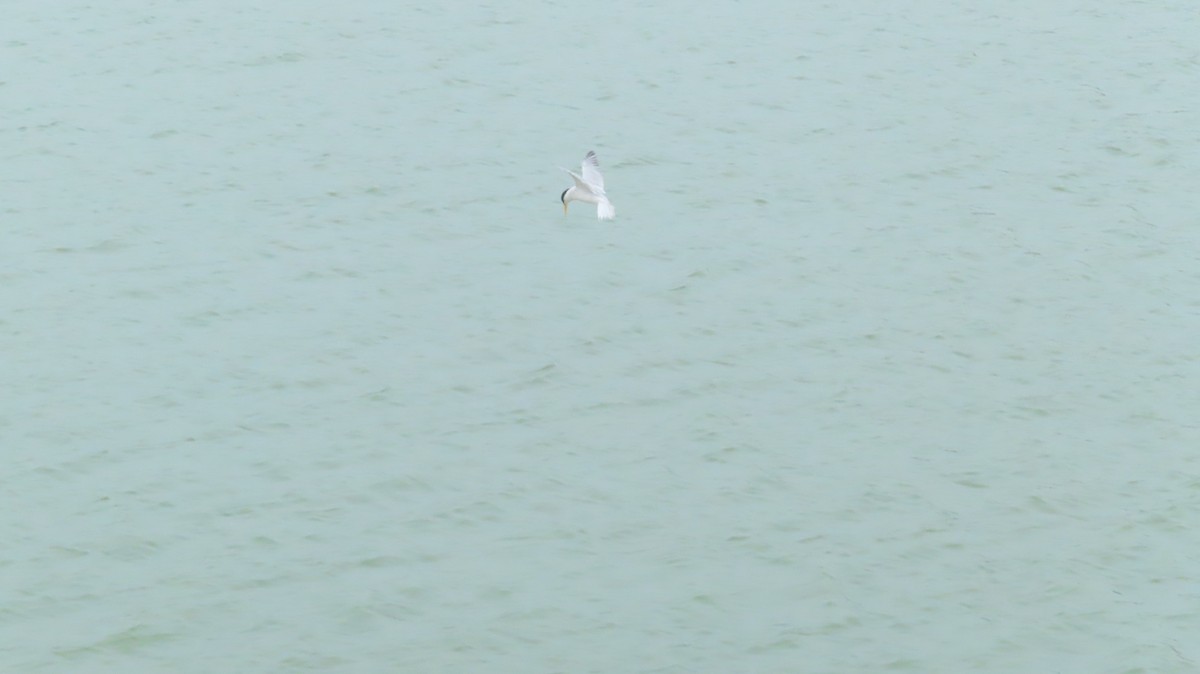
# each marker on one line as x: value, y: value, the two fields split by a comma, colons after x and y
x: 605, y: 210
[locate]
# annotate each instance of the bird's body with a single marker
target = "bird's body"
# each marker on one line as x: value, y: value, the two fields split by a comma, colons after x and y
x: 589, y: 188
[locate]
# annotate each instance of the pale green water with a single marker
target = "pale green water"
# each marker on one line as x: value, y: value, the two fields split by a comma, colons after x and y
x: 889, y: 361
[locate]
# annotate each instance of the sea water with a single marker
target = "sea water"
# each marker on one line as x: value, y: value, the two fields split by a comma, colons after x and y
x: 888, y: 363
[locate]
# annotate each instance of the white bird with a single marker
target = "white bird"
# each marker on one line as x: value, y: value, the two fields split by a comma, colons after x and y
x: 589, y: 189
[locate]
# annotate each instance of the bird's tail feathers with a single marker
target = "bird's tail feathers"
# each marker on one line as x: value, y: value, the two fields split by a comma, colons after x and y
x: 605, y: 210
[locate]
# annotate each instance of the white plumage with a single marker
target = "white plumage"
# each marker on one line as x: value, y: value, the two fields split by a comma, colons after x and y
x: 589, y: 189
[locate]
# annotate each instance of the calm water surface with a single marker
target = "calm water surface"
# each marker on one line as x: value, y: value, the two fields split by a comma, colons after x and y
x: 888, y: 363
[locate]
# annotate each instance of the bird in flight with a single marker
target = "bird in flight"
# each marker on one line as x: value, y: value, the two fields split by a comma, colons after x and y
x: 589, y: 189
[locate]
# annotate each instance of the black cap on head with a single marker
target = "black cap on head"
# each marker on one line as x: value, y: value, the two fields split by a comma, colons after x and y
x: 563, y: 198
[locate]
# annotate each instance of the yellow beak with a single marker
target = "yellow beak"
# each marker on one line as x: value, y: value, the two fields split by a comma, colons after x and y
x: 564, y: 208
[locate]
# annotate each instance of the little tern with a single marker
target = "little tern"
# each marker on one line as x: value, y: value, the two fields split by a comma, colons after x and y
x: 589, y: 189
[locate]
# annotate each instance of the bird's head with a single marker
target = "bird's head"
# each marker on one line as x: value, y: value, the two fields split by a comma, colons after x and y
x: 563, y: 199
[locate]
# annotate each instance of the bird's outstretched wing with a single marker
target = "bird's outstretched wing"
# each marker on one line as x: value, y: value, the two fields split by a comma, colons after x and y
x: 580, y: 183
x: 591, y: 171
